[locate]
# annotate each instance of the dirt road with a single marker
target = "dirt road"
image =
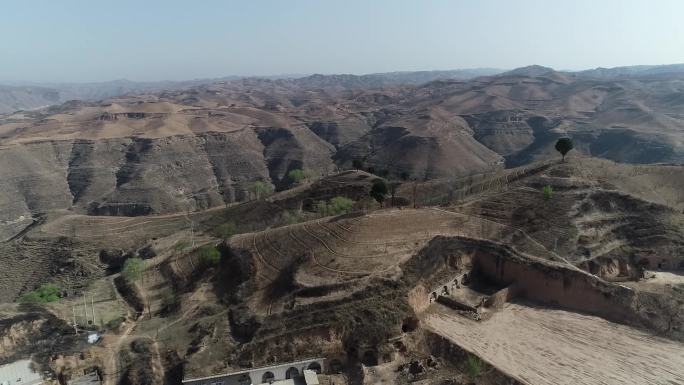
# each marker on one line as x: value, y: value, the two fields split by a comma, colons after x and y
x: 541, y: 346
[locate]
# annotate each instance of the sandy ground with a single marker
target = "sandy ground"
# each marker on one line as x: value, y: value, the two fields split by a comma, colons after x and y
x: 555, y: 347
x: 659, y: 282
x: 667, y: 278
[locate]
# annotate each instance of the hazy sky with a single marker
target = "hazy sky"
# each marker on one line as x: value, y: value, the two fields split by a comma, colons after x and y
x: 95, y: 40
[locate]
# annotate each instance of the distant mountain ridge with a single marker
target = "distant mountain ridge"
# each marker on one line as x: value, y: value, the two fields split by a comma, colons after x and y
x: 633, y: 71
x: 27, y: 95
x: 384, y: 79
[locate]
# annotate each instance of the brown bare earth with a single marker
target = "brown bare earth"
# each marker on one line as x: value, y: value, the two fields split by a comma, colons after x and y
x: 541, y: 346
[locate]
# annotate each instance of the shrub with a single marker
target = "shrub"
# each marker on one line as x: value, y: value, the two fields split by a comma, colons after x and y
x: 297, y: 175
x: 226, y: 230
x: 340, y: 205
x: 209, y: 255
x: 48, y: 292
x: 261, y: 189
x: 336, y: 206
x: 547, y: 191
x: 133, y: 269
x: 474, y: 367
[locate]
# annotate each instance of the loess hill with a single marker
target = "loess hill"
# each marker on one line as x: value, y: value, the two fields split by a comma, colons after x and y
x: 203, y: 146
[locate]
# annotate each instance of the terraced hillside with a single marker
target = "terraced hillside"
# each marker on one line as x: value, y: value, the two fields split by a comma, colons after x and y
x: 74, y: 249
x: 361, y: 287
x: 602, y: 217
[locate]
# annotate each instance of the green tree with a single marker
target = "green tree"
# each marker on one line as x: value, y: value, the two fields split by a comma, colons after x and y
x: 379, y: 190
x: 474, y: 367
x: 404, y: 175
x: 261, y: 189
x: 48, y: 292
x: 226, y: 230
x: 209, y: 255
x: 564, y: 145
x: 133, y: 269
x: 357, y: 164
x: 340, y: 205
x: 547, y: 191
x: 297, y: 175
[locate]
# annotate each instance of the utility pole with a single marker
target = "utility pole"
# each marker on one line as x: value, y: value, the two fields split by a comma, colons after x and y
x: 73, y: 308
x: 92, y: 308
x: 85, y: 309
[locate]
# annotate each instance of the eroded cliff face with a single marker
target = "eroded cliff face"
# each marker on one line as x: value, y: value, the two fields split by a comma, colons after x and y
x: 36, y: 334
x: 140, y: 176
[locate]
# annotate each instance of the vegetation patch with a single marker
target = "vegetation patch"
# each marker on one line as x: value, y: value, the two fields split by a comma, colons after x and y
x: 297, y: 176
x: 209, y: 255
x: 336, y: 206
x: 48, y: 292
x: 133, y: 269
x: 474, y: 367
x: 225, y: 231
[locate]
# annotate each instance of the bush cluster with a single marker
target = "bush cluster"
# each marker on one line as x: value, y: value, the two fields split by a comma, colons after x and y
x: 336, y: 206
x: 48, y: 292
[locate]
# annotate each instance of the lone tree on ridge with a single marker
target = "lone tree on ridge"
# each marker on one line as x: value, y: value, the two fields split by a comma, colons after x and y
x: 564, y: 145
x: 379, y: 190
x: 357, y: 164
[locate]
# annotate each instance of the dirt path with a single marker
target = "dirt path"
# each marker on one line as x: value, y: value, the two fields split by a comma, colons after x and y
x: 113, y: 344
x: 555, y: 347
